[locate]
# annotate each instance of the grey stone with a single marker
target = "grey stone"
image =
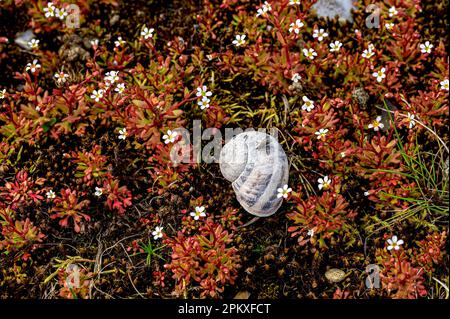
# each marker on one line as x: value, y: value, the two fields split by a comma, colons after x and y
x: 333, y: 8
x: 23, y: 38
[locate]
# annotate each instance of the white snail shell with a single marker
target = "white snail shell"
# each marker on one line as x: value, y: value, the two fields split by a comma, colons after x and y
x: 257, y: 166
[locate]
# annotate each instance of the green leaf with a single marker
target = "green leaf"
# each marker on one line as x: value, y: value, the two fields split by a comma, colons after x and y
x: 46, y: 126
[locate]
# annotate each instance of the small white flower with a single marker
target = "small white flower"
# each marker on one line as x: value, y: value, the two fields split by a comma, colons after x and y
x: 389, y: 26
x: 335, y: 46
x: 294, y: 2
x: 308, y: 105
x: 34, y: 44
x: 50, y: 194
x: 267, y: 7
x: 120, y: 88
x: 324, y: 183
x: 203, y: 91
x: 411, y: 120
x: 203, y: 103
x: 376, y: 125
x: 98, y: 191
x: 309, y: 53
x: 120, y: 42
x: 394, y: 243
x: 123, y: 133
x: 444, y: 85
x: 366, y: 194
x: 97, y: 95
x: 320, y: 34
x: 392, y: 11
x: 111, y: 77
x: 199, y: 212
x: 2, y: 94
x: 147, y: 33
x: 264, y: 9
x: 343, y: 154
x: 368, y: 53
x: 33, y: 67
x: 157, y: 233
x: 94, y: 42
x: 60, y: 13
x: 49, y: 10
x: 426, y: 47
x: 295, y: 26
x: 240, y: 40
x: 380, y: 75
x: 296, y: 77
x: 283, y: 191
x: 311, y: 232
x: 170, y: 137
x: 321, y: 134
x: 61, y: 77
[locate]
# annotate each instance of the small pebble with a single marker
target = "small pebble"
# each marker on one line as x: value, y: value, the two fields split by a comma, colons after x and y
x: 335, y: 275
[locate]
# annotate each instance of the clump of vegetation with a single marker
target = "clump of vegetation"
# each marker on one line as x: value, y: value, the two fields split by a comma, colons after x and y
x: 89, y: 111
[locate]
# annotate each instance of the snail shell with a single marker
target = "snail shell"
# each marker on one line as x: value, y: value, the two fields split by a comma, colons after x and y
x: 257, y: 166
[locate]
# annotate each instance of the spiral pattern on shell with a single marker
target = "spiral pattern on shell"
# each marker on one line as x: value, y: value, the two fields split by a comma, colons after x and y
x: 257, y: 166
